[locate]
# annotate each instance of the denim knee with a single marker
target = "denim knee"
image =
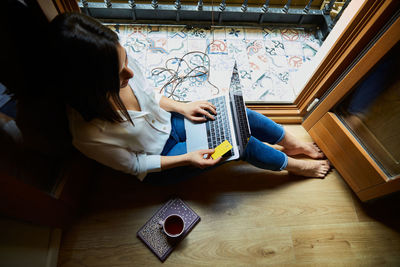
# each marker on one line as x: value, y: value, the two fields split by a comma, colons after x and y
x: 263, y: 128
x: 176, y: 143
x: 263, y: 156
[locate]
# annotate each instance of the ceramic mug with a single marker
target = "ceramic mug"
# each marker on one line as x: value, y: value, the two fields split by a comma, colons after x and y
x: 173, y: 225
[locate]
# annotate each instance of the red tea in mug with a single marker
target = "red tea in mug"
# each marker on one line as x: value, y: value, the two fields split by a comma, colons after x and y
x: 173, y: 225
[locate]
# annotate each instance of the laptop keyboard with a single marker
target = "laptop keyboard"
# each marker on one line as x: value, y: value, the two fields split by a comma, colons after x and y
x: 218, y: 130
x: 242, y: 117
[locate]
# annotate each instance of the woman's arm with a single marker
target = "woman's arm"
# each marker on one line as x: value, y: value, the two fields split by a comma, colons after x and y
x: 200, y: 159
x: 195, y: 111
x: 138, y: 164
x: 171, y: 105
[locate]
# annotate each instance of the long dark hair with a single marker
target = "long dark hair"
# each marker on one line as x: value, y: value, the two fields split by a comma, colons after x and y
x: 86, y: 67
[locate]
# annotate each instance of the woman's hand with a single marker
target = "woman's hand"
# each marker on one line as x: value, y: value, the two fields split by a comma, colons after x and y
x: 199, y: 111
x: 202, y: 158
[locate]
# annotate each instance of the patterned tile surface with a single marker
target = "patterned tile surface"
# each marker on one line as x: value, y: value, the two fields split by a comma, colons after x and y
x: 200, y: 60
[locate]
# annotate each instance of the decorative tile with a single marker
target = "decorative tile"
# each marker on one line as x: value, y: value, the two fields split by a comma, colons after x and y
x: 175, y: 61
x: 218, y: 33
x: 295, y: 62
x: 254, y: 33
x: 267, y: 58
x: 308, y: 51
x: 314, y: 43
x: 270, y: 87
x: 179, y: 93
x: 263, y: 86
x: 307, y: 35
x: 236, y: 47
x: 154, y: 61
x: 234, y: 33
x: 293, y: 48
x: 256, y: 57
x: 221, y: 62
x: 274, y: 48
x: 273, y: 33
x: 254, y: 47
x: 267, y: 32
x: 218, y: 46
x: 196, y: 60
x: 177, y: 32
x: 156, y: 31
x: 221, y: 79
x: 220, y: 71
x: 199, y: 33
x: 197, y: 45
x: 277, y: 62
x: 136, y: 45
x: 157, y: 45
x: 138, y: 53
x: 295, y: 80
x: 177, y: 46
x: 195, y: 94
x: 290, y: 35
x: 137, y: 31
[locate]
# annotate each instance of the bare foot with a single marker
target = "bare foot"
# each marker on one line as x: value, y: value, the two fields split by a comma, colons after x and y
x: 310, y: 149
x: 308, y: 168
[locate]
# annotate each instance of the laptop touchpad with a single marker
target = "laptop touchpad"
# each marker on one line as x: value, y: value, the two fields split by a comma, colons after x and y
x: 196, y: 136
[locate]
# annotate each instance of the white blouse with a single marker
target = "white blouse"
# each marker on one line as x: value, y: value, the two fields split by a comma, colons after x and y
x: 134, y: 149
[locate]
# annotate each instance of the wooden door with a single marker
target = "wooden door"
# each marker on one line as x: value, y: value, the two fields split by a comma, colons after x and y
x: 366, y: 175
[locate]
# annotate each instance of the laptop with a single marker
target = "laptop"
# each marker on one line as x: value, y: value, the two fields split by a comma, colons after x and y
x: 231, y: 123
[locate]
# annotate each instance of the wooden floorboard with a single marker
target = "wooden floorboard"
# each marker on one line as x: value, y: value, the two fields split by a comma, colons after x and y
x: 249, y: 217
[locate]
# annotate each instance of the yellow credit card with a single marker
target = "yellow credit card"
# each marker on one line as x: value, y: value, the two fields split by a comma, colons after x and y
x: 221, y: 149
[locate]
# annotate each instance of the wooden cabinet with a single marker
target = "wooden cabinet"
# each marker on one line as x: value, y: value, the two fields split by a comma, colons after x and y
x: 355, y: 162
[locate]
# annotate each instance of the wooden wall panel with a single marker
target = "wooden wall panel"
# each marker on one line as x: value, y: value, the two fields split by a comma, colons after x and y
x: 355, y: 165
x: 382, y: 189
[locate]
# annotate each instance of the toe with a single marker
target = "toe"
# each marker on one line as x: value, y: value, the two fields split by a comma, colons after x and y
x: 316, y: 146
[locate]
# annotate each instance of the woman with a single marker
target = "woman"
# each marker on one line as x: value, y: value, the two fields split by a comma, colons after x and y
x: 116, y: 120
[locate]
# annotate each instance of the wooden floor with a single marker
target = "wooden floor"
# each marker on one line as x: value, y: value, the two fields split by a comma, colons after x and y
x: 249, y: 217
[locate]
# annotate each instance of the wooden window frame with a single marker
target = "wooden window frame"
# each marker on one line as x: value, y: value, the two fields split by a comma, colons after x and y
x: 364, y: 24
x: 66, y: 5
x: 52, y: 8
x: 365, y: 64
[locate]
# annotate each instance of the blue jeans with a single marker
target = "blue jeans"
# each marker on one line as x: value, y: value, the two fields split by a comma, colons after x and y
x: 256, y: 153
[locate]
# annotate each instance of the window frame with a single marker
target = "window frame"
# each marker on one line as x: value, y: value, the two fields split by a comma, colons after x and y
x: 363, y: 25
x: 365, y: 21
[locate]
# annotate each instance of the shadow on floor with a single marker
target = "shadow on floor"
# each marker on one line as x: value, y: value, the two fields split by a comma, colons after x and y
x: 114, y: 190
x: 385, y: 210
